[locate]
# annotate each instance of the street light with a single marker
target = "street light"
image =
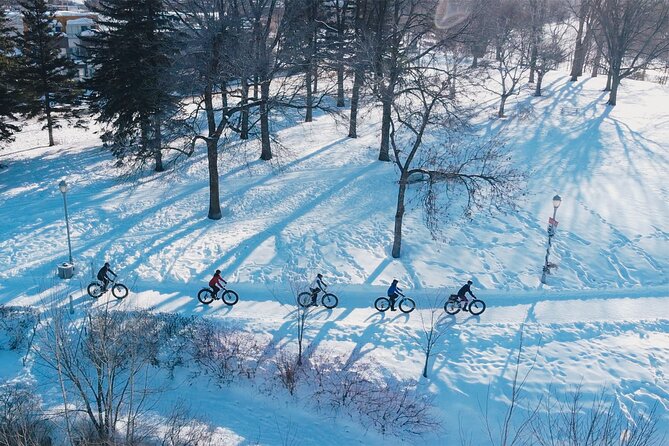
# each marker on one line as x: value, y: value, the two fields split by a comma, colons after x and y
x: 552, y: 226
x: 63, y: 189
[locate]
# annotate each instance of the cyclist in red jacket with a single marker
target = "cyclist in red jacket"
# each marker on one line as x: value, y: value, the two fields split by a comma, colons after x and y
x: 217, y: 282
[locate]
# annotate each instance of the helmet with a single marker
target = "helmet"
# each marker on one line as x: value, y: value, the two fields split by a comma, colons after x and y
x: 469, y: 282
x: 106, y: 263
x: 218, y: 271
x: 395, y: 281
x: 319, y: 275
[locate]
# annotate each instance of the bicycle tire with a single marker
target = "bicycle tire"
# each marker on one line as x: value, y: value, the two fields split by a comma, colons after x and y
x: 230, y: 297
x: 407, y: 305
x: 476, y: 307
x: 205, y: 296
x: 120, y: 291
x: 94, y: 290
x: 304, y: 299
x: 452, y: 307
x: 382, y: 304
x: 330, y: 301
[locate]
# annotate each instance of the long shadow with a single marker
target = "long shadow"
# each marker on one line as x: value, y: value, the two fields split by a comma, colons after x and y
x: 249, y: 245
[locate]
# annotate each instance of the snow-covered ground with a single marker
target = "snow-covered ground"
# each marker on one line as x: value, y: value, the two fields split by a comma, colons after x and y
x: 327, y: 205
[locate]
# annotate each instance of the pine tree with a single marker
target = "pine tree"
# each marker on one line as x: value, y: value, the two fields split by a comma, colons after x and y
x: 47, y: 77
x: 131, y: 87
x: 8, y: 93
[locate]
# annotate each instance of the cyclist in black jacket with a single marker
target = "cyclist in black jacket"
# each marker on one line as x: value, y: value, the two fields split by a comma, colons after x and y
x: 102, y: 275
x: 466, y: 288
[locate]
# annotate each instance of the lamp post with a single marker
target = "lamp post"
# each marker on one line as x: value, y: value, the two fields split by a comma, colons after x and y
x: 63, y: 189
x: 552, y: 226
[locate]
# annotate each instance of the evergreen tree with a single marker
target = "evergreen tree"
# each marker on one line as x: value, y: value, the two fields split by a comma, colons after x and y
x: 132, y: 86
x: 47, y: 78
x: 8, y: 93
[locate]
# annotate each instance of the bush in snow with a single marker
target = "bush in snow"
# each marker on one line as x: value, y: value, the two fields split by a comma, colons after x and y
x: 391, y: 407
x: 22, y: 421
x: 226, y: 353
x: 17, y: 326
x: 287, y: 369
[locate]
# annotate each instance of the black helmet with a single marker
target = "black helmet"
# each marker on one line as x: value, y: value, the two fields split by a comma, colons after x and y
x: 319, y: 275
x: 395, y: 280
x: 469, y: 282
x: 218, y: 271
x: 106, y: 263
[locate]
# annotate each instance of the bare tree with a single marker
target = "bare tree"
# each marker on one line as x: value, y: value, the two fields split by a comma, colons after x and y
x: 582, y: 10
x: 512, y: 54
x: 572, y: 420
x: 102, y: 364
x: 550, y: 52
x: 435, y: 323
x: 480, y: 170
x: 634, y: 33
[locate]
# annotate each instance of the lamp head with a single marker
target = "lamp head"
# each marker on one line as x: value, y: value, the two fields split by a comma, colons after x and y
x: 557, y: 201
x: 62, y: 186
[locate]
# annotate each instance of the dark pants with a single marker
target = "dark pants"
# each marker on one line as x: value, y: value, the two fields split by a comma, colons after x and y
x: 216, y: 289
x: 314, y: 293
x: 393, y: 298
x: 105, y: 281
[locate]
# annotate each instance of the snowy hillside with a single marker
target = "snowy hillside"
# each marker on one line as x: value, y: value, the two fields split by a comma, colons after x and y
x: 327, y: 205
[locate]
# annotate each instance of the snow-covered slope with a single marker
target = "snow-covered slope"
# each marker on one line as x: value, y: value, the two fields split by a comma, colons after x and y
x: 327, y: 205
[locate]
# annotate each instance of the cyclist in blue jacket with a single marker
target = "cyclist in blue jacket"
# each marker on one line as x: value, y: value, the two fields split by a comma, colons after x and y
x: 393, y: 292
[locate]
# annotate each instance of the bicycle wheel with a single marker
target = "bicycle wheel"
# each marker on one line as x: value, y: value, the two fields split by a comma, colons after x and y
x: 382, y: 304
x: 119, y: 291
x: 94, y: 290
x: 205, y: 296
x: 476, y: 307
x: 304, y: 299
x: 330, y: 301
x: 230, y: 297
x: 452, y: 306
x: 407, y: 305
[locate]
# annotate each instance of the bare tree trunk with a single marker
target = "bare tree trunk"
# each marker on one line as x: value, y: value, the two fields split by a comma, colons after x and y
x: 540, y: 78
x: 157, y: 144
x: 212, y: 158
x: 49, y: 118
x: 452, y: 79
x: 608, y: 81
x: 427, y: 359
x: 399, y: 216
x: 256, y: 82
x: 475, y: 62
x: 502, y: 103
x: 244, y: 133
x: 314, y: 75
x: 577, y: 63
x: 310, y: 95
x: 596, y: 62
x: 266, y: 150
x: 340, y: 85
x: 533, y: 63
x: 615, y: 83
x: 387, y: 101
x: 355, y: 97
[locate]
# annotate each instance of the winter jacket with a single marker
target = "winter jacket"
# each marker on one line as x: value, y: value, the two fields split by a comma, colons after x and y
x: 394, y: 290
x: 217, y: 281
x: 318, y: 284
x: 464, y: 290
x: 102, y: 274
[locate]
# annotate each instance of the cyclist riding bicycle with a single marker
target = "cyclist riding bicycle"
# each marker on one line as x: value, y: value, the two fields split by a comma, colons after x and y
x: 217, y: 282
x: 317, y: 286
x: 103, y: 277
x: 466, y: 288
x: 393, y: 292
